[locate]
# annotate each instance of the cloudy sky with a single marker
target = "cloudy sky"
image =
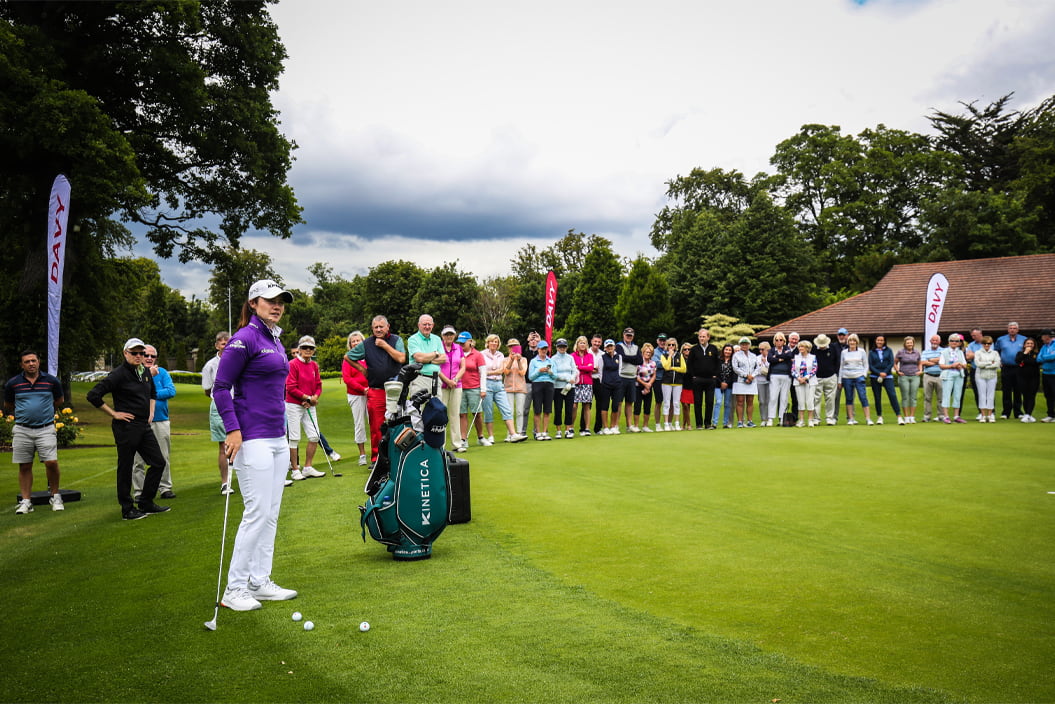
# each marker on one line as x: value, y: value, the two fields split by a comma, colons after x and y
x: 465, y: 129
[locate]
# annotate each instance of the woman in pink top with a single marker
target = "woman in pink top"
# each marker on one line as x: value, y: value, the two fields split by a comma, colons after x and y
x: 583, y: 391
x: 514, y: 378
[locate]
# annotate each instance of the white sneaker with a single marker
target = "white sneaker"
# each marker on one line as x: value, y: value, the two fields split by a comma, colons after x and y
x: 24, y: 506
x: 226, y: 489
x: 978, y: 417
x: 239, y: 600
x: 900, y: 420
x: 1024, y: 419
x: 484, y: 442
x: 309, y: 472
x: 799, y: 424
x: 1003, y: 417
x: 992, y: 419
x: 362, y: 460
x: 569, y: 433
x: 911, y: 420
x: 851, y: 422
x: 646, y: 429
x: 559, y: 435
x: 632, y: 429
x: 832, y: 421
x: 677, y: 426
x: 1047, y: 419
x: 870, y: 422
x: 269, y: 591
x: 668, y: 427
x: 1031, y: 419
x: 56, y: 503
x: 879, y: 420
x: 613, y: 431
x: 288, y: 482
x: 491, y: 439
x: 297, y: 475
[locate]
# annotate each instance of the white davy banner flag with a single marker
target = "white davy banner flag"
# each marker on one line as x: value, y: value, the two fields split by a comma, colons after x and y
x: 937, y: 293
x: 58, y: 216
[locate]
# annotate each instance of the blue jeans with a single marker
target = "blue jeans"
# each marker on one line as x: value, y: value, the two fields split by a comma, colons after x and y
x: 496, y: 393
x: 723, y: 399
x: 858, y: 385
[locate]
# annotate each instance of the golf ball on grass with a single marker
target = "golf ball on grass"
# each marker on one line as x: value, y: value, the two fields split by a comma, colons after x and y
x: 364, y: 626
x: 297, y: 616
x: 309, y: 626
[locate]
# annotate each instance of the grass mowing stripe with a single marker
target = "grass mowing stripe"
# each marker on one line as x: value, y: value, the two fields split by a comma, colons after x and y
x: 834, y: 562
x: 725, y: 566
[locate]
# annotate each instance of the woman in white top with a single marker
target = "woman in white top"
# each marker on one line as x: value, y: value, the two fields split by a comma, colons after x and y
x: 953, y: 365
x: 745, y: 365
x: 804, y: 377
x: 852, y: 371
x: 987, y: 366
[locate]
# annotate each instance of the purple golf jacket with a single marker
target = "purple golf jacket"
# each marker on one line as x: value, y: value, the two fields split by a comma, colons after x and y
x: 253, y: 371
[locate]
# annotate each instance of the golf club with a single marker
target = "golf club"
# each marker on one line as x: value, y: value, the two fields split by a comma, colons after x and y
x: 312, y: 417
x: 211, y: 625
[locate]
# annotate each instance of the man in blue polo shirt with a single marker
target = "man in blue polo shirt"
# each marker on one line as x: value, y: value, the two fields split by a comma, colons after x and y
x: 165, y: 390
x: 1009, y: 346
x: 34, y: 397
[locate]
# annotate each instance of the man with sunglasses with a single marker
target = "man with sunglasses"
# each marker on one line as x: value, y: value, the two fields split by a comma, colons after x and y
x: 303, y: 388
x: 165, y: 390
x: 131, y: 388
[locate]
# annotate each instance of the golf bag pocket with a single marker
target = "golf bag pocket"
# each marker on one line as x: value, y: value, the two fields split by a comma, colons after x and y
x: 379, y: 516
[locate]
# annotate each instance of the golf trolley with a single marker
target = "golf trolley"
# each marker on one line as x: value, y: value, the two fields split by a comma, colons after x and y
x: 409, y: 485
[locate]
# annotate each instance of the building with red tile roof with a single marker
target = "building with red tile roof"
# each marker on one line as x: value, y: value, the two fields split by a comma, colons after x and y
x: 984, y: 293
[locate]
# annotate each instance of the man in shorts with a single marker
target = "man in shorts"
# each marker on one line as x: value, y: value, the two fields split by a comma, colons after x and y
x: 216, y: 429
x: 34, y: 397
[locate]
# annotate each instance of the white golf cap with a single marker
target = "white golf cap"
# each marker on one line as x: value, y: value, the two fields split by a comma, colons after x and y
x: 134, y: 342
x: 266, y: 288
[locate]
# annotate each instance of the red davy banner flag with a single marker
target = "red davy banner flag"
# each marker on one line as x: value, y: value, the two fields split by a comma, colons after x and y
x: 937, y: 293
x: 58, y: 215
x: 551, y: 305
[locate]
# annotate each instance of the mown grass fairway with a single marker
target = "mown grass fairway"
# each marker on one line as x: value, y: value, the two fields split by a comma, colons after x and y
x: 807, y: 565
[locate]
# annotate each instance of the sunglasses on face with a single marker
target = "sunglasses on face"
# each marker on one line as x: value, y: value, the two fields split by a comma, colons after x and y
x: 306, y: 347
x: 150, y: 356
x: 136, y: 353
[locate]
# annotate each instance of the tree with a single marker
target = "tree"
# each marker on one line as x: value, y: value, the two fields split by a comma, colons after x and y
x: 390, y: 290
x: 592, y: 302
x: 159, y: 114
x: 493, y: 308
x: 234, y: 272
x: 644, y: 301
x: 448, y: 295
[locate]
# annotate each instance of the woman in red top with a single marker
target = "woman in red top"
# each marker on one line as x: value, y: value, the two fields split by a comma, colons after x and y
x: 356, y: 385
x: 303, y: 388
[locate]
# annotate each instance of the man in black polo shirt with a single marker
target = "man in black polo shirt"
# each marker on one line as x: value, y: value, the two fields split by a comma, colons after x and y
x: 703, y: 365
x: 131, y: 387
x: 34, y: 398
x: 384, y: 354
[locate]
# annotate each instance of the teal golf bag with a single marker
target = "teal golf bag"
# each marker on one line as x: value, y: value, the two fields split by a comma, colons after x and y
x: 408, y: 490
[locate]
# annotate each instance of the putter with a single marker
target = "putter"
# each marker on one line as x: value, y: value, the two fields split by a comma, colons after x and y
x: 333, y: 473
x: 211, y: 625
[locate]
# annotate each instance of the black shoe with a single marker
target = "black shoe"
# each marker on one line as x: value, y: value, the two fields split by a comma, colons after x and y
x: 167, y: 495
x: 132, y: 514
x: 153, y: 508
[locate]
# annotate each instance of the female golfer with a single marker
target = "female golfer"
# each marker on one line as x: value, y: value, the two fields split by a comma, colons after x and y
x: 250, y: 396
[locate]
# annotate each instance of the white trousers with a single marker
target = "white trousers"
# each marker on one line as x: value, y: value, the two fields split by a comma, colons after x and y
x: 779, y: 386
x: 824, y: 394
x: 358, y: 406
x: 163, y: 432
x: 671, y: 399
x: 452, y: 399
x: 296, y: 417
x: 261, y: 466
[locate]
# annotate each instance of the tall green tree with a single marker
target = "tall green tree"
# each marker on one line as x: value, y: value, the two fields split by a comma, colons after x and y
x: 644, y: 301
x: 448, y: 295
x: 593, y: 302
x: 159, y: 114
x: 390, y: 290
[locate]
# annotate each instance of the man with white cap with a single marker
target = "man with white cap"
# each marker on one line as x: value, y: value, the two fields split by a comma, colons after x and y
x: 132, y: 390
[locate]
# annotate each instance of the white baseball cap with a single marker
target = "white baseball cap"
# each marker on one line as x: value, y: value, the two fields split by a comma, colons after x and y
x: 134, y: 342
x: 266, y: 288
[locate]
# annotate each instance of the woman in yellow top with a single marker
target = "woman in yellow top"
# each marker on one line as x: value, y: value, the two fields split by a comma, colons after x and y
x: 674, y: 368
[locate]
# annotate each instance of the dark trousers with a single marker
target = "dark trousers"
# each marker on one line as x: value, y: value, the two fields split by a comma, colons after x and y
x: 1028, y: 384
x: 563, y: 406
x: 1048, y: 383
x: 703, y: 390
x: 891, y: 391
x: 1012, y: 392
x: 132, y: 437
